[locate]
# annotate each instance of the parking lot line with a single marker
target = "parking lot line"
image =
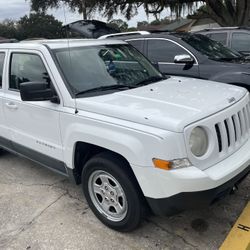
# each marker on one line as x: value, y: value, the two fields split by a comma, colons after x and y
x: 239, y: 236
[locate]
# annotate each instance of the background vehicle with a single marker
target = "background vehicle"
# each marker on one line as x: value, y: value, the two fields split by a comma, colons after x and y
x: 237, y: 38
x: 87, y: 29
x: 192, y: 55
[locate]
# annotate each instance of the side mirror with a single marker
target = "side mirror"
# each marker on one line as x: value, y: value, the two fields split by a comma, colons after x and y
x: 36, y: 91
x: 187, y: 59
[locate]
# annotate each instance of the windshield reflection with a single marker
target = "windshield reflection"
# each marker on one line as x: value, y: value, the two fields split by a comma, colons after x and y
x: 90, y: 67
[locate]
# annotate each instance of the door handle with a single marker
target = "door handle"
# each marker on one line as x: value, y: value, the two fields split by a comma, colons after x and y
x: 11, y: 105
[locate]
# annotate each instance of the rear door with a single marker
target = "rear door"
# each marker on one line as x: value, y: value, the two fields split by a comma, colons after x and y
x: 163, y: 52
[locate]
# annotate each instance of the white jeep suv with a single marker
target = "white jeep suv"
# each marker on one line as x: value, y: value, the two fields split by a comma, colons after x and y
x: 99, y: 113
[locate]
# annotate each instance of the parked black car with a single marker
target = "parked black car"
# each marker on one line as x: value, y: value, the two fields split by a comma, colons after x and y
x: 192, y: 55
x: 237, y: 38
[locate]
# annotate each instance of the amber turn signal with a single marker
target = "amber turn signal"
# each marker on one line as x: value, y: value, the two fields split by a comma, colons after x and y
x: 166, y: 165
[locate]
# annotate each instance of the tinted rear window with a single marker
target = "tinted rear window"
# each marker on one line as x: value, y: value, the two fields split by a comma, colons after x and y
x: 241, y: 42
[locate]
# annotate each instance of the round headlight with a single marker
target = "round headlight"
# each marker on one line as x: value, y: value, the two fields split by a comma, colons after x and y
x: 198, y: 141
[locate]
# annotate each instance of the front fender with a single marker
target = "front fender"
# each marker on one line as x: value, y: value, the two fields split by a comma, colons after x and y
x: 138, y: 147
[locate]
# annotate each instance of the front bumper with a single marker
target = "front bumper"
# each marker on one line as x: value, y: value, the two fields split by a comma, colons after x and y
x: 199, y: 199
x: 172, y: 191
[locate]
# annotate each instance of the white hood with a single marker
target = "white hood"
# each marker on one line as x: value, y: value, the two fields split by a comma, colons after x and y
x: 171, y: 104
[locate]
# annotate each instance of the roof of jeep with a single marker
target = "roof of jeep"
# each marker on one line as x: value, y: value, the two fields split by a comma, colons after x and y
x: 58, y: 43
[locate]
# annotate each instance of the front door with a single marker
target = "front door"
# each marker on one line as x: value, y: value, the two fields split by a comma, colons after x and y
x: 34, y: 126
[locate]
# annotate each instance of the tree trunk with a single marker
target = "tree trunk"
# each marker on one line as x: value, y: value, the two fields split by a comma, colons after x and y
x: 84, y: 10
x: 229, y: 12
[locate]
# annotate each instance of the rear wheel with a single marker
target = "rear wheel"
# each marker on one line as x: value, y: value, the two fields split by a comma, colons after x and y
x: 112, y: 193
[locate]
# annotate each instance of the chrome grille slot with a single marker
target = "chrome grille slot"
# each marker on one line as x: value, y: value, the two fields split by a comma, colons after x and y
x: 246, y: 119
x: 235, y: 129
x: 232, y: 132
x: 248, y: 114
x: 240, y: 122
x: 217, y: 129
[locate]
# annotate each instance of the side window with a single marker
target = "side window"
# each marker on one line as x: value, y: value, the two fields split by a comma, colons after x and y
x: 219, y: 37
x: 163, y: 51
x: 138, y: 44
x: 2, y: 56
x: 241, y: 41
x: 26, y: 68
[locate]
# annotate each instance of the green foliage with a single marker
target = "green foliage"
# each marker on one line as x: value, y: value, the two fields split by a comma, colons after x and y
x: 142, y: 23
x: 119, y: 24
x: 225, y: 12
x: 131, y: 29
x: 37, y: 25
x: 160, y: 21
x: 8, y: 29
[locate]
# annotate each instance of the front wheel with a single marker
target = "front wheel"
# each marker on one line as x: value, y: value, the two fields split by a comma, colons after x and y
x: 112, y: 193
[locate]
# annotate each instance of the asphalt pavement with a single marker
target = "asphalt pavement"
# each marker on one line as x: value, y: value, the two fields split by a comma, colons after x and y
x: 40, y: 209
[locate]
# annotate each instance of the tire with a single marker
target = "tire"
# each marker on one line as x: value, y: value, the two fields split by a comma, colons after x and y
x: 120, y: 205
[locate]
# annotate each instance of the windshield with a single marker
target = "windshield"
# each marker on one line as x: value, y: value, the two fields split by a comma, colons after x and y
x: 96, y: 67
x: 214, y: 50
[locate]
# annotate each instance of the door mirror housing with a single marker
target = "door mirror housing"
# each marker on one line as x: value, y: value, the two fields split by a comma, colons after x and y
x: 185, y: 58
x: 36, y: 91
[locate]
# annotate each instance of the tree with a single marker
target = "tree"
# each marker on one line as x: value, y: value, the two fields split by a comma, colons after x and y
x: 39, y: 25
x: 119, y: 24
x: 225, y: 12
x: 8, y: 29
x: 85, y: 7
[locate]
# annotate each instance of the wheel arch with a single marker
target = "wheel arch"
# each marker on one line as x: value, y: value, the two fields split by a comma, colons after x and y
x: 85, y: 151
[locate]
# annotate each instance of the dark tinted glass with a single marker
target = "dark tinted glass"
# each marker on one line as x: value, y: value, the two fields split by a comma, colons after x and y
x: 2, y: 55
x: 138, y: 44
x: 213, y: 49
x: 163, y: 51
x: 241, y: 42
x: 219, y: 37
x: 27, y: 68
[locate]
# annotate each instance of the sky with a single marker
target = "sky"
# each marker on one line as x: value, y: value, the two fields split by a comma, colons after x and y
x: 14, y: 9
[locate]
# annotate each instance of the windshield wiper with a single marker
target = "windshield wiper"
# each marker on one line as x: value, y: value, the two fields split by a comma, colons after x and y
x: 151, y: 79
x: 104, y: 88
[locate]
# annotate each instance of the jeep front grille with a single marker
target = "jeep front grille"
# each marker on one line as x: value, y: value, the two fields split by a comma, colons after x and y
x: 234, y: 130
